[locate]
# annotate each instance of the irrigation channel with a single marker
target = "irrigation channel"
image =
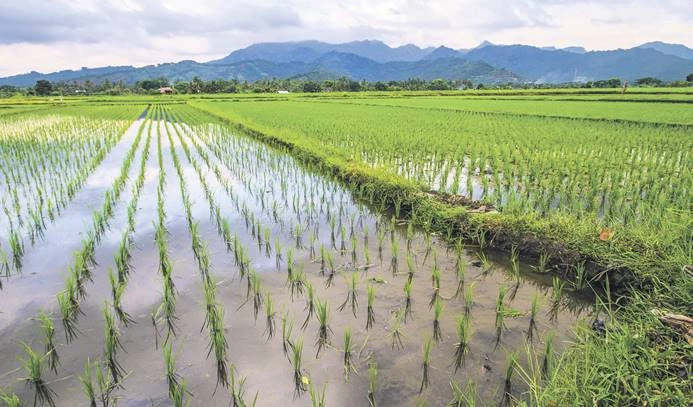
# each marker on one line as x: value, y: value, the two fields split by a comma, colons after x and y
x: 222, y: 270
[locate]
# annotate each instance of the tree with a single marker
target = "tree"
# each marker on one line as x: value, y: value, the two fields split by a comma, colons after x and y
x: 438, y: 84
x: 379, y: 86
x: 689, y: 78
x: 43, y: 87
x: 649, y: 81
x: 311, y: 87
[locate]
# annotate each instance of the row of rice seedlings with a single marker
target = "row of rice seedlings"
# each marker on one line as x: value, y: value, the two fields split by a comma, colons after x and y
x: 167, y: 308
x: 79, y: 273
x: 123, y: 256
x: 51, y: 180
x: 214, y: 313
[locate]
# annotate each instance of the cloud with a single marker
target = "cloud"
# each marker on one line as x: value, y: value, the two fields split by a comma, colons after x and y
x: 49, y: 35
x: 46, y: 21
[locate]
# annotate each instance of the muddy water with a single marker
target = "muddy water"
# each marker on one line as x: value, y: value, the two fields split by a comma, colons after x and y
x: 255, y: 171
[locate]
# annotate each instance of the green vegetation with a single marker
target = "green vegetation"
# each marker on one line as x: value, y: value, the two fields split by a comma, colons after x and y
x: 593, y: 194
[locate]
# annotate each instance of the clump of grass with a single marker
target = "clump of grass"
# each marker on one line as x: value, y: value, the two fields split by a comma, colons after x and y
x: 460, y: 273
x: 463, y: 397
x: 106, y: 386
x: 112, y: 345
x: 396, y: 334
x: 500, y: 313
x: 297, y: 282
x: 370, y: 312
x: 317, y: 399
x: 237, y: 389
x: 324, y: 331
x: 543, y: 262
x: 515, y: 261
x: 411, y: 268
x: 178, y: 398
x: 333, y: 271
x: 172, y: 377
x: 287, y: 328
x: 117, y: 291
x: 393, y: 255
x: 558, y: 287
x: 270, y: 315
x: 348, y: 354
x: 532, y: 329
x: 69, y: 310
x: 256, y: 287
x: 323, y: 260
x: 407, y: 299
x: 468, y: 299
x: 297, y: 363
x: 310, y: 304
x: 580, y: 281
x: 435, y: 282
x: 33, y: 366
x: 48, y: 330
x: 462, y: 345
x: 425, y: 366
x: 87, y: 384
x: 437, y: 311
x: 10, y: 399
x: 508, y: 385
x: 372, y: 381
x: 548, y: 359
x: 381, y: 240
x: 351, y: 297
x: 354, y: 247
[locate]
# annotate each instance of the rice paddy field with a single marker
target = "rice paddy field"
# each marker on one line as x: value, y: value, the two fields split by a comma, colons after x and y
x: 347, y: 250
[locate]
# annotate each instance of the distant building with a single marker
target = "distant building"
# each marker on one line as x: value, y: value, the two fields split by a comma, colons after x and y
x: 166, y: 90
x: 282, y: 91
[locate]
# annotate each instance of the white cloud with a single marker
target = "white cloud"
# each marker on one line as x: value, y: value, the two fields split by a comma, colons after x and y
x: 48, y: 35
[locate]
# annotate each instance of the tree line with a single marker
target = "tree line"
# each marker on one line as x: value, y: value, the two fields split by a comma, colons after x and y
x: 274, y: 85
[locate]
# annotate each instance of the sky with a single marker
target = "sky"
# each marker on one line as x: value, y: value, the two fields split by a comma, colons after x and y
x: 51, y: 35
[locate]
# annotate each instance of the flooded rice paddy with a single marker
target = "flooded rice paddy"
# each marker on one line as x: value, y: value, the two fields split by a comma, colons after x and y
x: 271, y: 240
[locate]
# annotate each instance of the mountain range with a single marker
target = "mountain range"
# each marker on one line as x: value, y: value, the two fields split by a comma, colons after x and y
x: 375, y: 61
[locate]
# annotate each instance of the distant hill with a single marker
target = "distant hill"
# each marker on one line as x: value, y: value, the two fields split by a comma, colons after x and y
x: 376, y: 61
x: 329, y: 66
x: 547, y: 66
x: 678, y: 50
x: 308, y: 51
